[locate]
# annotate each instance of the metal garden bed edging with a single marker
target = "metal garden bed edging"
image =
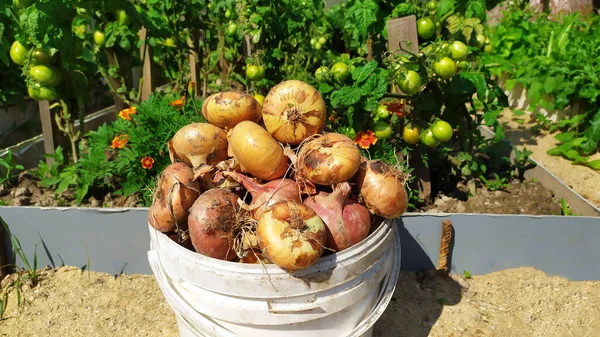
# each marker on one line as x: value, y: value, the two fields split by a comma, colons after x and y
x: 579, y: 205
x: 116, y: 240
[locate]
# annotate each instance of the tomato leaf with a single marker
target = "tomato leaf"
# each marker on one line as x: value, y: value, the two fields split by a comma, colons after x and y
x: 478, y: 81
x: 595, y: 164
x: 362, y: 73
x: 476, y: 9
x: 445, y: 7
x: 345, y: 96
x: 402, y: 10
x: 362, y: 14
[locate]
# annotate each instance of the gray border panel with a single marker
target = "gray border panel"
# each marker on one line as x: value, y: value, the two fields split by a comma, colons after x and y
x: 117, y: 240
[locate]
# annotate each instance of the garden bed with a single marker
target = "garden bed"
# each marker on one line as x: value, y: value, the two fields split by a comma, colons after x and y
x: 524, y: 301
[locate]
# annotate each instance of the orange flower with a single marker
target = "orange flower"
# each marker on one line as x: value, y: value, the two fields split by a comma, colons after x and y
x: 125, y: 113
x: 119, y: 141
x: 365, y: 139
x: 147, y: 162
x: 178, y: 103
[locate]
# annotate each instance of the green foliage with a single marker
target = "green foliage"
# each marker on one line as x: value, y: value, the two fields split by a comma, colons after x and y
x: 9, y: 167
x: 556, y: 60
x: 120, y: 169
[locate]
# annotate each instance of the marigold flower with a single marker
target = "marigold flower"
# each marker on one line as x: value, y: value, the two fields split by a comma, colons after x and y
x: 365, y: 139
x: 178, y: 103
x: 125, y: 113
x: 147, y: 162
x: 119, y: 141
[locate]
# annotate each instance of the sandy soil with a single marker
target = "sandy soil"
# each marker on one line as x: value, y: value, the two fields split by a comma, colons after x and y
x: 583, y: 180
x: 518, y: 302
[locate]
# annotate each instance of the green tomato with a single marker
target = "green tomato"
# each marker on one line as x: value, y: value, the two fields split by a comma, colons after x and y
x: 170, y: 42
x: 260, y: 98
x: 382, y: 112
x: 425, y: 28
x: 45, y: 75
x: 479, y: 41
x: 428, y: 139
x: 464, y: 65
x: 445, y: 50
x: 253, y: 73
x: 410, y: 83
x: 122, y: 17
x: 42, y: 93
x: 321, y: 73
x: 22, y: 3
x: 411, y: 134
x: 313, y: 41
x: 99, y: 38
x: 18, y: 53
x: 459, y: 51
x: 488, y: 48
x: 445, y: 68
x: 322, y: 40
x: 382, y: 130
x: 432, y: 5
x: 232, y: 28
x: 43, y: 56
x: 318, y: 46
x: 442, y: 130
x: 340, y: 71
x: 228, y: 14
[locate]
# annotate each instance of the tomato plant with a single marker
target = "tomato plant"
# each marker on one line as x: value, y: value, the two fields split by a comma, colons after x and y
x: 428, y: 139
x: 459, y: 51
x: 411, y: 134
x: 445, y: 68
x: 382, y: 130
x: 441, y: 130
x: 410, y: 82
x: 18, y: 53
x: 340, y: 71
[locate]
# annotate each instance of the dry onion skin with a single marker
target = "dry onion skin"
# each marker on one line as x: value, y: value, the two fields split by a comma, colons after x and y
x: 197, y: 144
x: 328, y: 159
x: 227, y: 109
x: 381, y: 189
x: 257, y: 152
x: 291, y: 235
x: 175, y: 194
x: 212, y: 223
x: 293, y: 111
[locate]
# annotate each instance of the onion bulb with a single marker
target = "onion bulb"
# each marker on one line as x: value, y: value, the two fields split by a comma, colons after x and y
x: 381, y: 188
x: 328, y: 159
x: 265, y: 195
x: 293, y: 111
x: 291, y: 235
x: 212, y: 223
x: 257, y: 152
x: 175, y: 193
x: 347, y: 221
x: 227, y: 109
x: 197, y: 144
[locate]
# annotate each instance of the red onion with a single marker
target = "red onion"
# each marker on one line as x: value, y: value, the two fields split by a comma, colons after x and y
x: 265, y: 195
x: 347, y: 221
x: 212, y: 223
x: 381, y: 188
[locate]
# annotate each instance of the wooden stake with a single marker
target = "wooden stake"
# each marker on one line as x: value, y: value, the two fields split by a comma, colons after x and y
x: 446, y: 240
x: 148, y: 83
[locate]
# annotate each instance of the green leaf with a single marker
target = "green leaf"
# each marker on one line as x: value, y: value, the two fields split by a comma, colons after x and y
x: 477, y: 80
x: 476, y: 9
x: 362, y: 14
x: 592, y: 133
x: 376, y: 86
x: 403, y: 9
x: 552, y: 83
x: 518, y: 112
x: 595, y: 164
x: 345, y: 96
x: 565, y: 136
x: 444, y: 7
x: 325, y: 88
x: 362, y: 73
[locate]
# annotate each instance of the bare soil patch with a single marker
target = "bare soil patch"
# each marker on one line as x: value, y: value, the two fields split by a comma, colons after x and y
x: 69, y: 302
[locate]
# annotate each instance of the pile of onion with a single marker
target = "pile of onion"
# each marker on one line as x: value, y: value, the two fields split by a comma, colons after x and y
x: 176, y: 191
x: 381, y: 189
x: 279, y: 193
x: 293, y: 111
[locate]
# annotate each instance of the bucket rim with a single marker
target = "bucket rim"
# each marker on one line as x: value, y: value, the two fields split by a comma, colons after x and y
x: 324, y: 263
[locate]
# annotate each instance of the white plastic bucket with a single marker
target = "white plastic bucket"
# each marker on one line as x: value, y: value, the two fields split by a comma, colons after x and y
x: 341, y: 295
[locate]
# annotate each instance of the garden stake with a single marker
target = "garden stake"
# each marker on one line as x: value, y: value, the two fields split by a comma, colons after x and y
x: 445, y: 247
